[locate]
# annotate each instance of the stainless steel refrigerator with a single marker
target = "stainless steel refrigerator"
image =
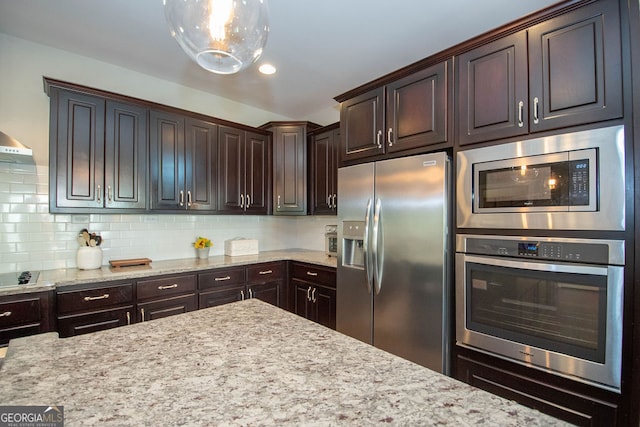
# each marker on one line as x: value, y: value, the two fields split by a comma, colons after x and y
x: 393, y: 279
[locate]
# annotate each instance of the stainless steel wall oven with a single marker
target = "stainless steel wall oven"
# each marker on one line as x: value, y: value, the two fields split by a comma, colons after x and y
x: 549, y: 303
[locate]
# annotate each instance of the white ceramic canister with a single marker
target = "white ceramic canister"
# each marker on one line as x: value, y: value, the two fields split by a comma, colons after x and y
x: 89, y: 257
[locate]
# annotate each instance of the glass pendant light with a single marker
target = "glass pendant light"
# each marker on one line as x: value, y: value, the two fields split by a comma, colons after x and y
x: 222, y: 36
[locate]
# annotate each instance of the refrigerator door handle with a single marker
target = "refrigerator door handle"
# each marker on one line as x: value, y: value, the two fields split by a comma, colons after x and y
x: 378, y: 253
x: 368, y: 265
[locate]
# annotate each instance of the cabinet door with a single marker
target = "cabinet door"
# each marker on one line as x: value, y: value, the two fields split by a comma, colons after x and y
x: 77, y: 150
x: 323, y: 172
x: 166, y: 150
x: 302, y: 295
x: 417, y: 109
x: 231, y: 157
x: 290, y: 170
x: 362, y: 126
x: 324, y: 306
x: 125, y: 156
x: 575, y: 68
x: 258, y: 173
x: 492, y: 87
x: 201, y: 167
x: 267, y: 292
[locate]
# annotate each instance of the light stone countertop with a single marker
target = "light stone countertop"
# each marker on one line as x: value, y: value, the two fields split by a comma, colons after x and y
x: 50, y: 279
x: 246, y: 364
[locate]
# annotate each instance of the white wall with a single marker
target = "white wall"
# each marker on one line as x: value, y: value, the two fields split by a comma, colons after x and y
x: 33, y: 239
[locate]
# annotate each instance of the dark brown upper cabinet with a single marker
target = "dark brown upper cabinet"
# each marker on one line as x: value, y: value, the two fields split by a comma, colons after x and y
x: 183, y: 153
x: 98, y: 153
x: 289, y: 166
x: 323, y: 170
x: 563, y: 72
x: 244, y: 172
x: 408, y: 113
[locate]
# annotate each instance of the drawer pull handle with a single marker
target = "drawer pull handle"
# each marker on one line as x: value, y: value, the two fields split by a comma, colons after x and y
x: 105, y: 296
x: 222, y: 279
x: 266, y: 272
x: 311, y: 273
x: 163, y: 287
x: 5, y: 314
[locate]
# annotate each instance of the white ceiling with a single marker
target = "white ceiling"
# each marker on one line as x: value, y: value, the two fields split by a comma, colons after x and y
x: 322, y: 48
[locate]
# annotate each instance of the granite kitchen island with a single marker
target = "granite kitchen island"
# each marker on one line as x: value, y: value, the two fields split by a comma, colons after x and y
x: 246, y: 363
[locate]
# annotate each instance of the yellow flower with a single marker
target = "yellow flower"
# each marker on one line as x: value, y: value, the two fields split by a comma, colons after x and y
x: 202, y: 242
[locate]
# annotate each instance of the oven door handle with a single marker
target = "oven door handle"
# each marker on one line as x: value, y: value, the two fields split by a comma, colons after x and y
x: 550, y: 266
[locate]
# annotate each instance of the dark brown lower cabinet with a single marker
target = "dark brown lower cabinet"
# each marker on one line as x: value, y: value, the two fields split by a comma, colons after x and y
x: 24, y: 314
x: 222, y: 286
x: 576, y: 405
x: 94, y: 307
x: 313, y: 290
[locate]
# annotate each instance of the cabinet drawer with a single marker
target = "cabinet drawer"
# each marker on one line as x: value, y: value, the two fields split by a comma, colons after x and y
x: 79, y: 324
x: 221, y: 277
x: 314, y: 274
x: 221, y: 295
x: 266, y: 272
x: 167, y: 307
x: 19, y: 312
x: 165, y: 286
x: 94, y: 298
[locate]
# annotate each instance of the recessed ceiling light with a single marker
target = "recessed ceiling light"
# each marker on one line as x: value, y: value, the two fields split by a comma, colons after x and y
x: 267, y: 69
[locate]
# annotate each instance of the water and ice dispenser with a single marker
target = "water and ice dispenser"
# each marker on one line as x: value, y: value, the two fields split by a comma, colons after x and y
x: 353, y: 244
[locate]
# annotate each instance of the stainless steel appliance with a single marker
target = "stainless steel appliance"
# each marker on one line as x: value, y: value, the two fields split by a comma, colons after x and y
x: 549, y: 303
x: 573, y: 181
x: 18, y: 279
x: 331, y: 240
x: 393, y: 285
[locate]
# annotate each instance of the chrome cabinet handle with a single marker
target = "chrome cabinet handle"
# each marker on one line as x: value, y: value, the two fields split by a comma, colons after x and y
x: 311, y: 273
x: 390, y: 137
x: 109, y: 194
x: 313, y: 295
x: 536, y: 117
x: 142, y: 313
x: 105, y: 296
x: 379, y: 139
x: 128, y: 318
x: 335, y: 202
x: 520, y: 114
x: 5, y: 314
x: 248, y: 201
x: 266, y: 272
x: 309, y: 293
x: 163, y: 287
x: 278, y: 201
x: 242, y: 201
x: 221, y: 279
x: 189, y: 198
x: 242, y: 295
x: 329, y: 201
x: 181, y: 204
x: 99, y: 193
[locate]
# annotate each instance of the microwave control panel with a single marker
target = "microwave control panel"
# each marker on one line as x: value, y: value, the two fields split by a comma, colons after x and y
x: 588, y: 252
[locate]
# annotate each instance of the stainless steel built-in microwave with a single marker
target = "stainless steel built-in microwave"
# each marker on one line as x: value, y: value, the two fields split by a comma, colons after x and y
x: 567, y: 182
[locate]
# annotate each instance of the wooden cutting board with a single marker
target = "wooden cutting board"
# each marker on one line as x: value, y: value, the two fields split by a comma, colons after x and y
x: 117, y: 263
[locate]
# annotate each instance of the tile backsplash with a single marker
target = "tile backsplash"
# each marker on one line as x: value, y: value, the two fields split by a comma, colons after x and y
x: 33, y: 239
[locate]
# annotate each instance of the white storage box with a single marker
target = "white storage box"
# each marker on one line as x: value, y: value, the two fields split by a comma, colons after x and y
x: 237, y: 247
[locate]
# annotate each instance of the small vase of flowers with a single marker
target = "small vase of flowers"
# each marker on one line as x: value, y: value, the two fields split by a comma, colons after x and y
x: 202, y: 245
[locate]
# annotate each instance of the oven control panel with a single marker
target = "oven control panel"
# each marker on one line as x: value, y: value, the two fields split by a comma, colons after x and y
x: 588, y: 252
